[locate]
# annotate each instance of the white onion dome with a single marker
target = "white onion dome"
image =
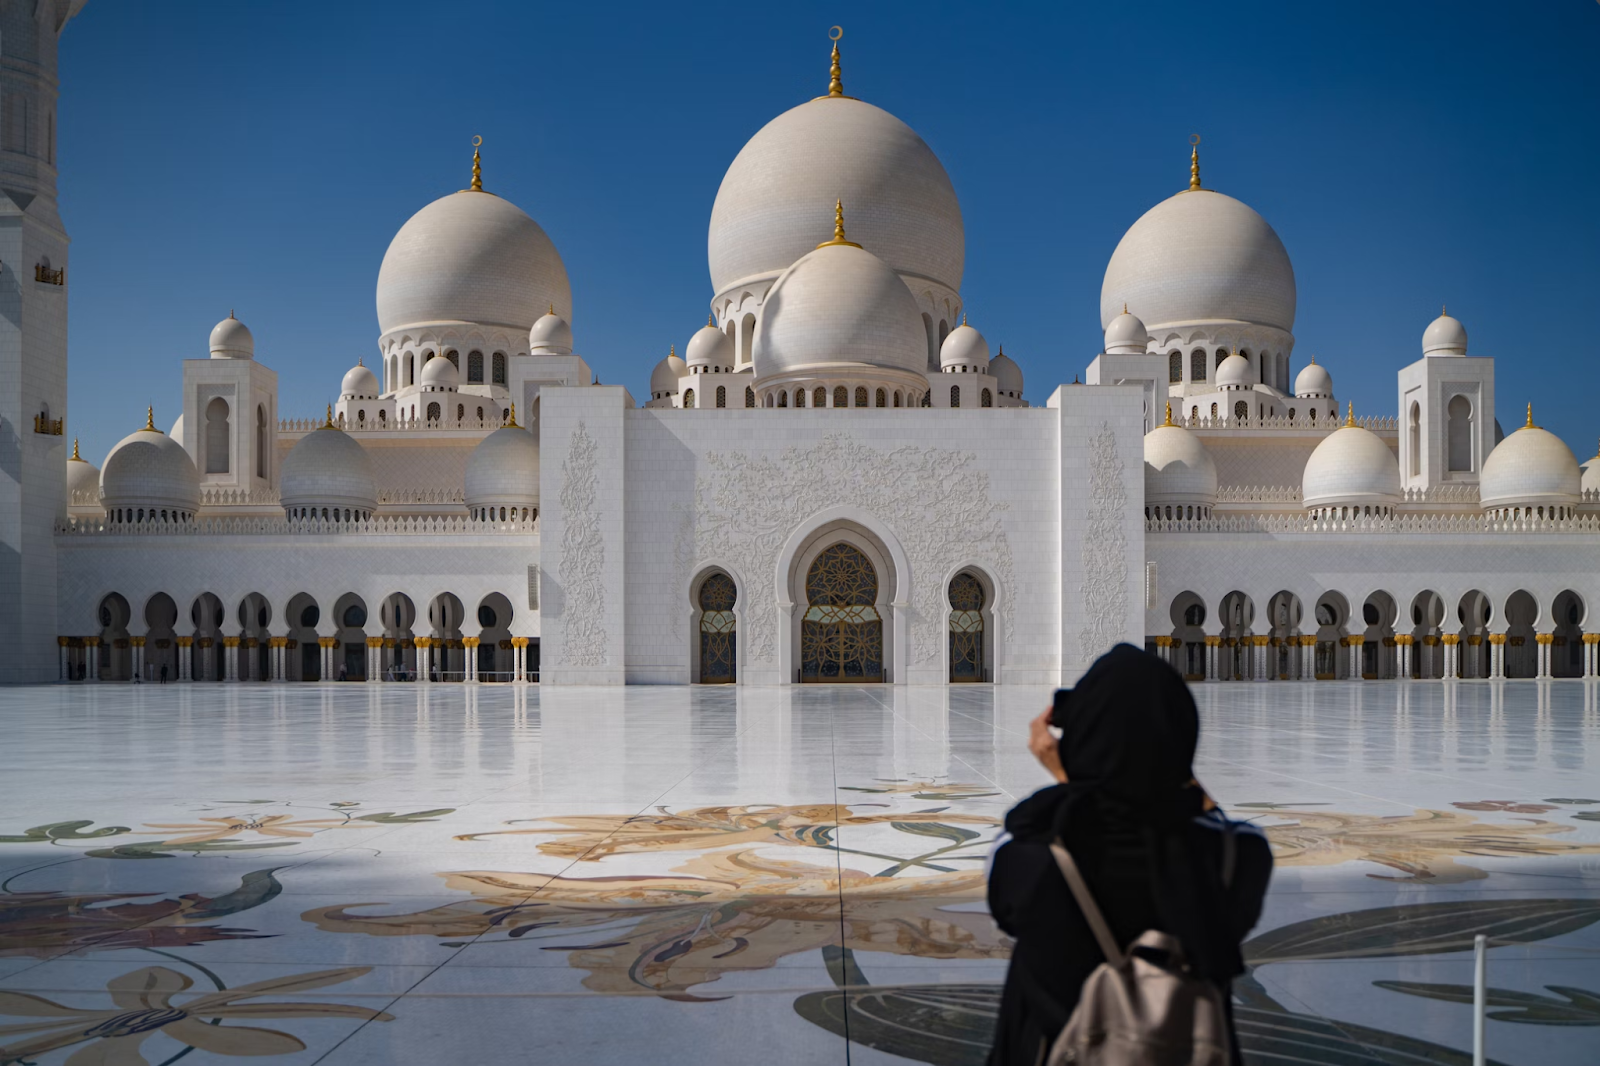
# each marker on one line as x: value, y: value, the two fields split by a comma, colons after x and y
x: 1313, y: 383
x: 360, y: 383
x: 1126, y: 335
x: 176, y: 432
x: 232, y: 339
x: 1444, y: 336
x: 148, y: 476
x: 1197, y: 257
x: 1591, y: 477
x: 439, y: 375
x: 471, y: 257
x: 1352, y: 467
x: 550, y: 335
x: 82, y: 476
x: 1006, y: 373
x: 1530, y: 468
x: 1177, y: 468
x: 903, y: 205
x: 710, y: 347
x: 1235, y: 372
x: 503, y: 471
x: 664, y: 378
x: 964, y: 349
x: 327, y: 473
x: 839, y: 307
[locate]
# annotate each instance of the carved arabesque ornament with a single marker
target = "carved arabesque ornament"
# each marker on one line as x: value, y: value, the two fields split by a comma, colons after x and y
x: 583, y: 557
x: 1104, y: 550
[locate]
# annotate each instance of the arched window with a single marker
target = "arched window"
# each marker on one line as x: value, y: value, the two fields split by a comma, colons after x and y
x: 1194, y: 413
x: 799, y: 397
x: 383, y: 418
x: 455, y: 359
x: 1197, y: 365
x: 841, y: 636
x: 749, y: 396
x: 361, y: 416
x: 719, y: 639
x: 927, y: 399
x: 883, y: 398
x: 1241, y: 411
x: 861, y: 396
x: 433, y: 412
x: 411, y: 369
x: 897, y: 398
x: 688, y: 397
x: 841, y: 397
x: 499, y: 368
x: 955, y: 395
x: 1213, y: 412
x: 461, y: 412
x: 217, y: 436
x: 783, y: 399
x: 1174, y: 367
x: 986, y: 399
x: 966, y: 628
x: 475, y: 367
x: 1291, y: 414
x: 722, y: 396
x: 261, y: 440
x: 1459, y: 432
x: 747, y: 332
x: 1414, y: 443
x: 1313, y: 413
x: 480, y: 416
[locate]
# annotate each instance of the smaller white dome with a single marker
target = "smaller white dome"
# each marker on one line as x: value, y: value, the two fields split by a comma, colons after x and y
x: 664, y: 378
x: 440, y: 375
x: 709, y: 347
x: 1444, y: 336
x: 82, y: 476
x: 550, y: 335
x: 1591, y: 475
x: 1126, y: 335
x: 1006, y: 373
x: 1235, y: 372
x: 232, y: 339
x: 360, y: 383
x: 327, y: 469
x: 964, y: 347
x: 1177, y: 468
x: 176, y: 432
x: 503, y: 470
x: 1351, y: 467
x: 148, y: 473
x: 1313, y: 383
x: 1531, y: 468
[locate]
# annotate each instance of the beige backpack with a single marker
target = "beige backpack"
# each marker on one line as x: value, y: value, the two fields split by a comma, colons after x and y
x: 1136, y: 1012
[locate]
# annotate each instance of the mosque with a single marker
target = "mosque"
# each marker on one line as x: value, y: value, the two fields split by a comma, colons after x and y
x: 837, y: 481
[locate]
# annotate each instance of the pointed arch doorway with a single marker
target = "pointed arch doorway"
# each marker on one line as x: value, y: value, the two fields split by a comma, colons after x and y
x: 841, y: 635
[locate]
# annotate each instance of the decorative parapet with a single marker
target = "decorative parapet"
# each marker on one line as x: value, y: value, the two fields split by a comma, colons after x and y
x: 238, y: 497
x: 1464, y: 494
x: 430, y: 496
x: 380, y: 526
x: 1258, y: 494
x: 1428, y: 524
x: 1301, y: 423
x: 377, y: 425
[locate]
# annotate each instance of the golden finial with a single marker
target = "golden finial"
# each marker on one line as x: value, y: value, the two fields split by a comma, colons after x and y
x: 1168, y: 422
x: 1124, y: 306
x: 75, y: 454
x: 711, y: 321
x: 672, y: 350
x: 1350, y: 414
x: 329, y: 424
x: 552, y: 309
x: 1313, y: 360
x: 511, y: 423
x: 835, y: 79
x: 838, y: 229
x: 1194, y: 162
x: 963, y: 318
x: 1444, y: 309
x: 358, y: 360
x: 150, y: 420
x: 1530, y: 424
x: 230, y: 312
x: 477, y: 165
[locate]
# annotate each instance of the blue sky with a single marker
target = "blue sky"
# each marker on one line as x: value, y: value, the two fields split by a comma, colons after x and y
x: 259, y: 156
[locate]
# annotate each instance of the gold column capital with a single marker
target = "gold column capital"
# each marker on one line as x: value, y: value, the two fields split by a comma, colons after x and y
x: 1451, y: 639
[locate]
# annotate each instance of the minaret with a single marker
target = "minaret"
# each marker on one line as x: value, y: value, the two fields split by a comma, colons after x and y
x: 33, y: 340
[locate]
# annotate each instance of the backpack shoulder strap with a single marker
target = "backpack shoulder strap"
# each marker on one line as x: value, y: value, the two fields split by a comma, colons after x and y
x: 1086, y: 904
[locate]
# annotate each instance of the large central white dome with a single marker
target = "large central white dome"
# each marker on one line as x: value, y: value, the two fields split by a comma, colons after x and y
x: 1199, y: 257
x: 901, y: 203
x: 471, y: 257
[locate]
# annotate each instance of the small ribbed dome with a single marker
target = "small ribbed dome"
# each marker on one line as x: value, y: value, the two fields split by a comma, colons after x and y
x: 1006, y: 373
x: 1234, y: 372
x: 440, y: 375
x: 964, y: 347
x: 328, y: 470
x: 1313, y: 383
x: 1126, y: 335
x: 232, y: 339
x: 83, y: 477
x: 148, y: 472
x: 550, y: 335
x: 664, y: 378
x: 471, y: 257
x: 835, y: 308
x: 1177, y: 468
x: 360, y: 383
x: 1591, y: 475
x: 709, y: 347
x: 1530, y: 468
x: 1351, y: 467
x: 503, y: 470
x: 1444, y: 336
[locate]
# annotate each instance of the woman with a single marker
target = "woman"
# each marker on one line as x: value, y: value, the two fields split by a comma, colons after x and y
x: 1152, y: 846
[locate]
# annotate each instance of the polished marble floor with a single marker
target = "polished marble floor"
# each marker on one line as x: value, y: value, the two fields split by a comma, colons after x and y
x: 395, y: 874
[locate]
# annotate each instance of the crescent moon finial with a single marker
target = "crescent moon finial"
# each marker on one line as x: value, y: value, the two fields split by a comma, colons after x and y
x: 477, y: 165
x: 1194, y: 138
x: 836, y: 33
x: 477, y: 142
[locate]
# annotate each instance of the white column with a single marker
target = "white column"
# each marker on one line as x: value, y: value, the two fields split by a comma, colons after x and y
x: 1544, y: 640
x: 1588, y: 655
x: 91, y: 659
x: 252, y: 659
x: 230, y: 659
x: 424, y: 653
x: 1403, y: 660
x: 1308, y: 658
x: 137, y: 655
x: 1211, y: 658
x: 61, y: 643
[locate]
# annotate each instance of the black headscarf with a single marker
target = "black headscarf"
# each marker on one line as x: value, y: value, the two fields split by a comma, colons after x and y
x: 1129, y: 731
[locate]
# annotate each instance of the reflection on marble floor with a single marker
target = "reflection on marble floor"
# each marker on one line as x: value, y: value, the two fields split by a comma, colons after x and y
x: 388, y: 874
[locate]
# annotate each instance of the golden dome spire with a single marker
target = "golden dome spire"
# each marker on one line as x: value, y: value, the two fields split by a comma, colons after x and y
x: 1194, y: 162
x: 835, y: 78
x: 672, y: 350
x: 1350, y: 414
x: 711, y: 321
x: 963, y: 318
x: 1124, y: 306
x: 1530, y: 424
x: 511, y: 423
x: 552, y: 309
x: 150, y: 420
x: 76, y: 457
x: 329, y: 423
x: 838, y: 229
x: 1168, y: 422
x: 477, y: 166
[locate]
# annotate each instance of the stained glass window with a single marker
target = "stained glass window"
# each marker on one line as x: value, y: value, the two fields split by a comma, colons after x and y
x: 841, y: 637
